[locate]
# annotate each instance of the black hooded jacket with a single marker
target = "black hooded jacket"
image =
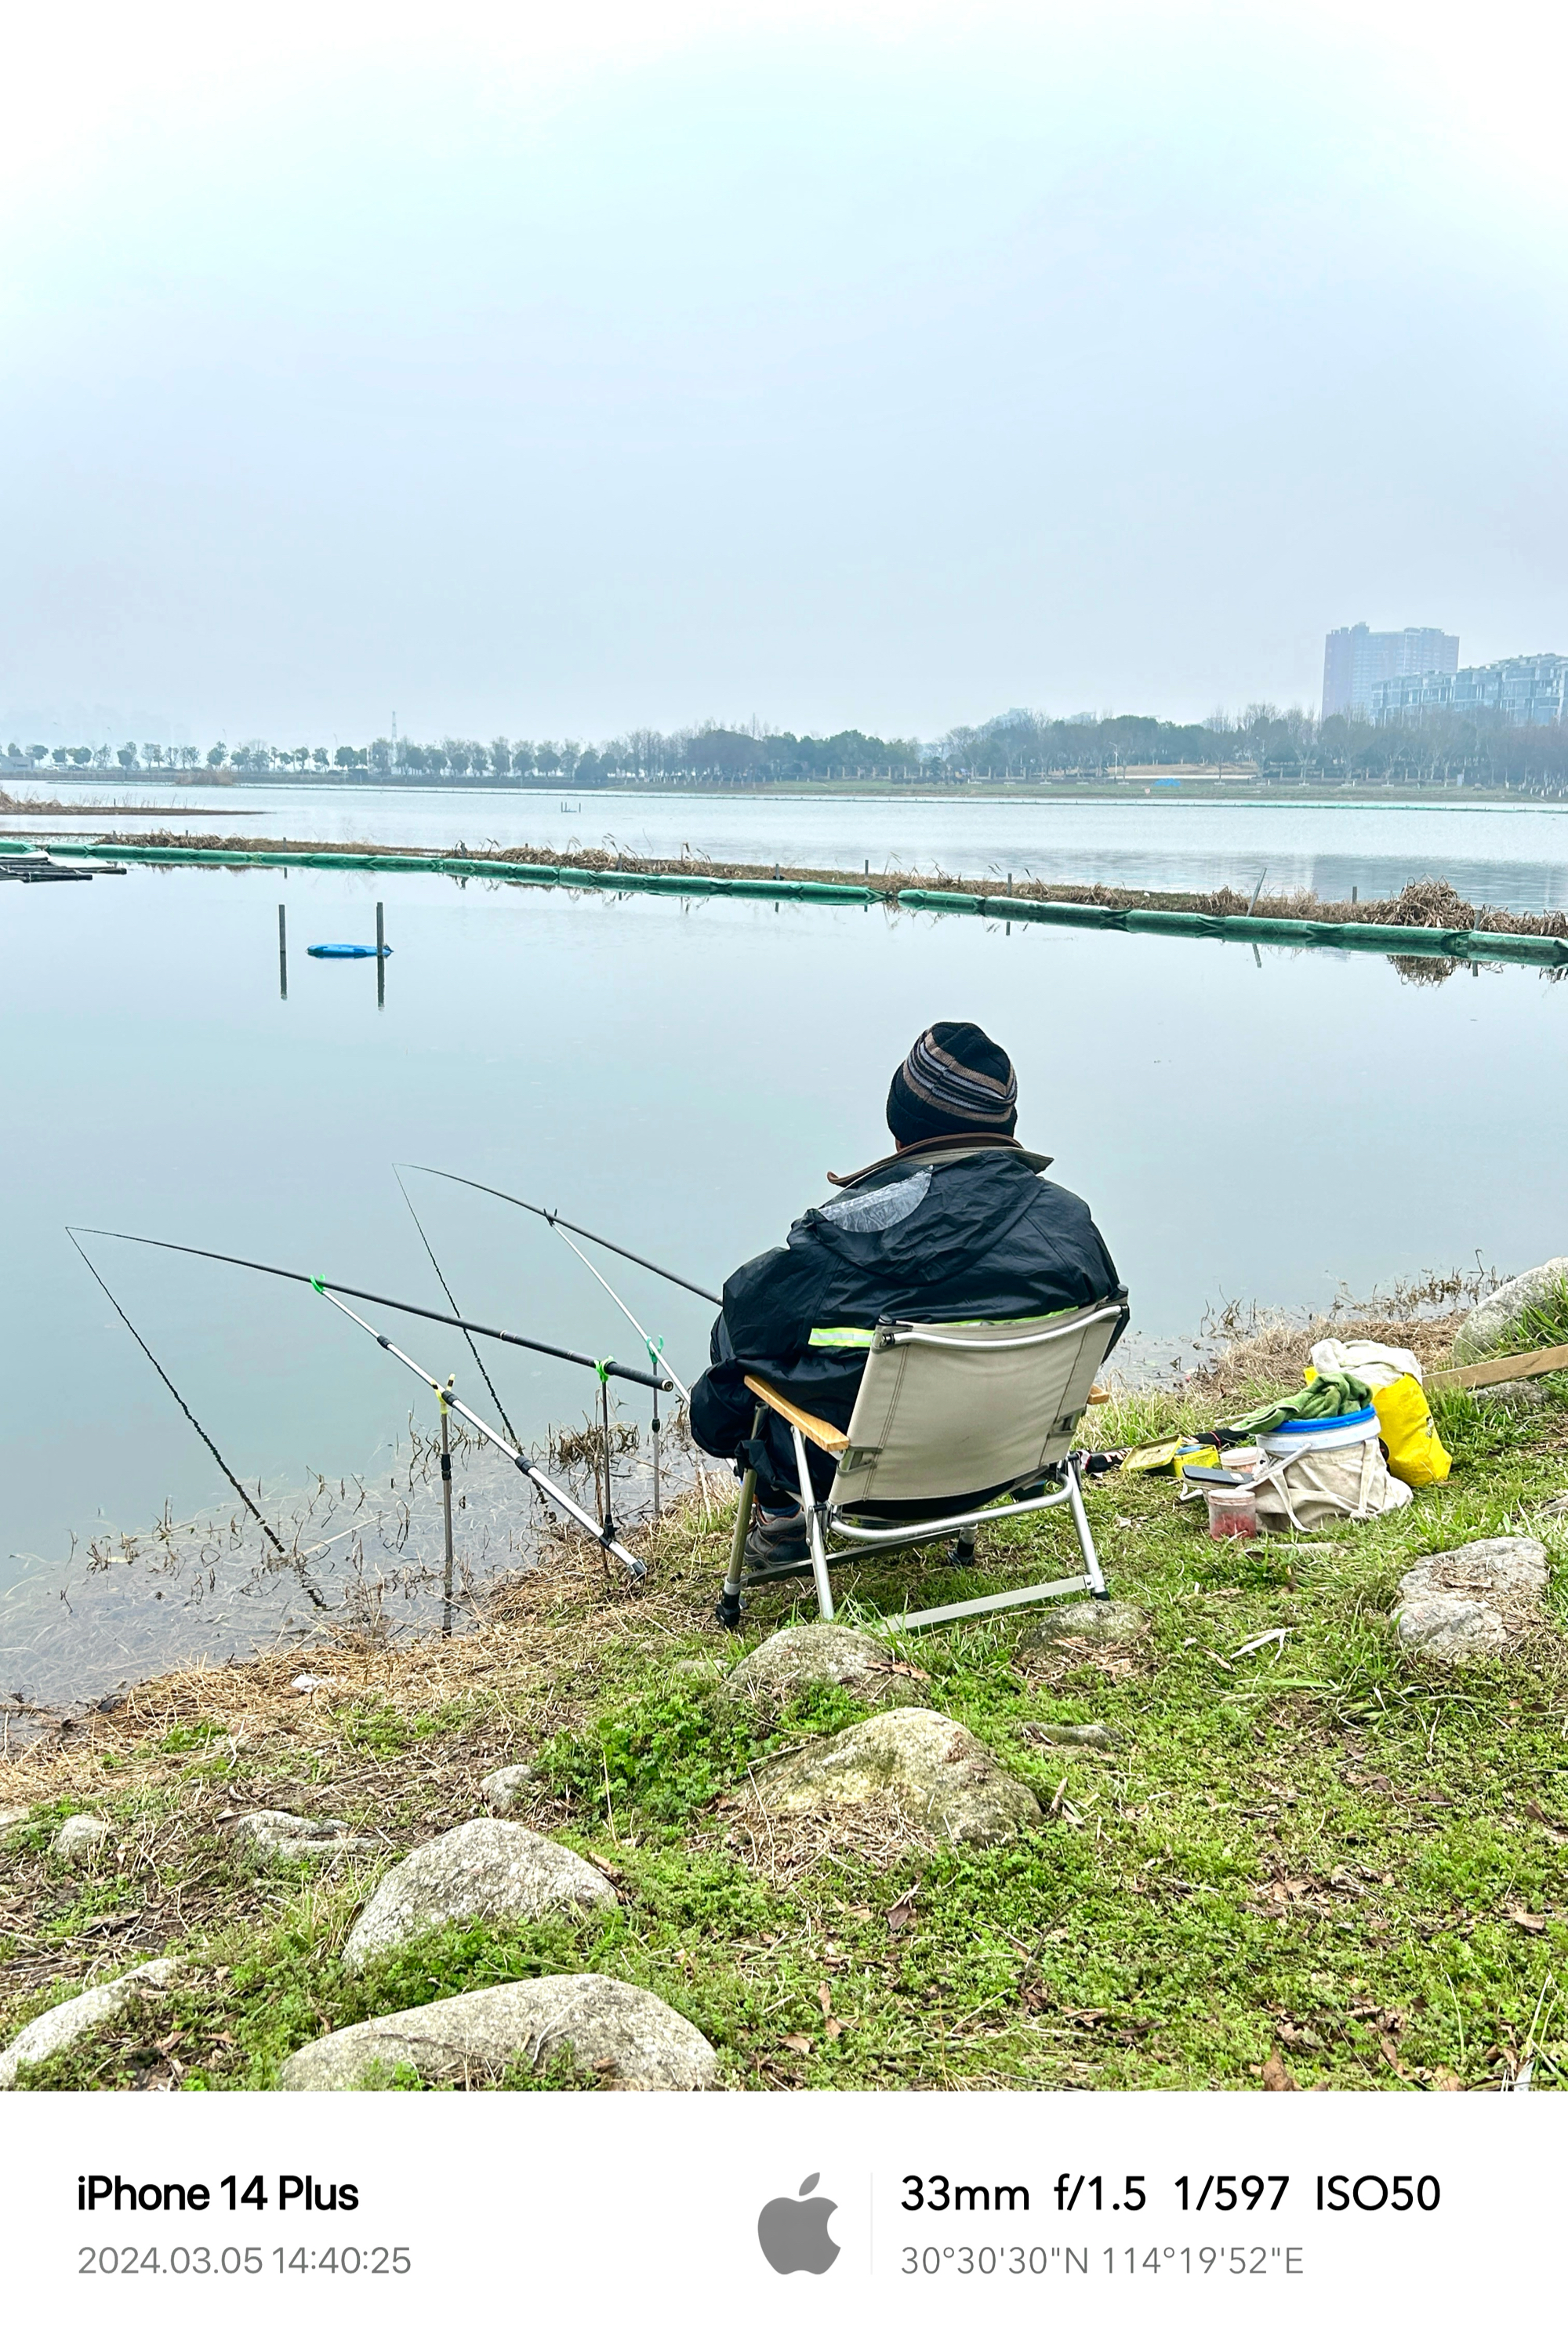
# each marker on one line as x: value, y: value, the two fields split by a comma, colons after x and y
x: 939, y: 1233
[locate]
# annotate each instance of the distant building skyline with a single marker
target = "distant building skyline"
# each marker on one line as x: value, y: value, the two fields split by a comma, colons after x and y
x: 1530, y: 689
x: 1358, y: 659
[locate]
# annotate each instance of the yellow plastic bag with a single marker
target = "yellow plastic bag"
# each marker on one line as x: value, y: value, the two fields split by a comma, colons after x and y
x: 1405, y: 1425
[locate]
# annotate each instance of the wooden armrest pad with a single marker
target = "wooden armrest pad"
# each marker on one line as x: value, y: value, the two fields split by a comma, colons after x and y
x: 1097, y: 1393
x: 816, y: 1430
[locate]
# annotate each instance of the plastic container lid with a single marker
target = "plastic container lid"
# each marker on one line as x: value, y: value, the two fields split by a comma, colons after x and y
x: 1367, y: 1417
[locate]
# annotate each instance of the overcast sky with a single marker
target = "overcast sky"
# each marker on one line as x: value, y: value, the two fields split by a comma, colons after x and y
x: 552, y: 371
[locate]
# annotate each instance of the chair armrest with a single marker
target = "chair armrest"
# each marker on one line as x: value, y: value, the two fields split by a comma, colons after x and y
x: 816, y: 1430
x: 1097, y: 1393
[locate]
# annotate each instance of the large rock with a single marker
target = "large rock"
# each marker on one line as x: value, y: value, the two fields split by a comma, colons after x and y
x: 812, y: 1654
x: 79, y: 1837
x: 628, y: 2036
x: 279, y: 1834
x: 1106, y: 1622
x: 488, y: 1871
x: 926, y: 1765
x: 78, y: 2017
x: 1493, y: 1327
x: 1472, y: 1601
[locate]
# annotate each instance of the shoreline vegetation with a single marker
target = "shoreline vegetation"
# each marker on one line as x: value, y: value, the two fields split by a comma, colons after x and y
x: 1019, y: 746
x: 1429, y: 904
x: 1273, y: 1849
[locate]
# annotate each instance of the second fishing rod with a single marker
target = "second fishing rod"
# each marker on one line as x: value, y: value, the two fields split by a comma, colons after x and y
x: 604, y: 1534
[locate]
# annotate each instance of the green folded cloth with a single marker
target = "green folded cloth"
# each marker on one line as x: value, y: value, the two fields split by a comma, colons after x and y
x: 1335, y: 1396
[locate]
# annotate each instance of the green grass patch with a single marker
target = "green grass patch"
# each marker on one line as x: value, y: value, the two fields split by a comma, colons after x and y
x: 1313, y: 1846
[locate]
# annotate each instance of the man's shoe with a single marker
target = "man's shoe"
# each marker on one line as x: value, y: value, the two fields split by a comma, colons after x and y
x: 777, y: 1539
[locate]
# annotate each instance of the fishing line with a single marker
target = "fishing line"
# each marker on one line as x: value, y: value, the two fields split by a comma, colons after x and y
x: 548, y: 1215
x: 178, y: 1397
x: 655, y: 1344
x: 393, y: 1304
x: 603, y: 1534
x: 451, y: 1300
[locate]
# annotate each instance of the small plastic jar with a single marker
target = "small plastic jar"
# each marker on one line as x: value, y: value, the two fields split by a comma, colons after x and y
x: 1233, y: 1514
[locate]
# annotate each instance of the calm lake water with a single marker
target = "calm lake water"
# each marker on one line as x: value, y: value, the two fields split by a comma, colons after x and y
x: 1515, y: 856
x: 679, y: 1075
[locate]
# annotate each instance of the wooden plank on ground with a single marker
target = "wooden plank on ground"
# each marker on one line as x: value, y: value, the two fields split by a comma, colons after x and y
x: 1506, y: 1366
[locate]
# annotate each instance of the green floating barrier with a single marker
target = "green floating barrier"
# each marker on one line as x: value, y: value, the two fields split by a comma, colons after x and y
x: 1355, y: 937
x: 1150, y: 921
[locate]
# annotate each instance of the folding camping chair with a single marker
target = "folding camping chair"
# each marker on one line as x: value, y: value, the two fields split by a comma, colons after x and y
x: 972, y: 1410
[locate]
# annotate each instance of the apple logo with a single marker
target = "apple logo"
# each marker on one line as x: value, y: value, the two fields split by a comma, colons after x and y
x: 794, y: 2234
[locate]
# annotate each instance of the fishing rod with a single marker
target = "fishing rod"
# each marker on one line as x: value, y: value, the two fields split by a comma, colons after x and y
x: 451, y: 1300
x: 548, y: 1215
x: 603, y: 1534
x: 179, y: 1398
x: 610, y: 1369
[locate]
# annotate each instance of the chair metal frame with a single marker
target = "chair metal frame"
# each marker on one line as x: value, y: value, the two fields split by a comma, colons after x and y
x: 834, y: 1534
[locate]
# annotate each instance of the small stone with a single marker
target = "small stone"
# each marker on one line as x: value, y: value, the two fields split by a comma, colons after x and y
x: 928, y: 1766
x: 1519, y: 1393
x: 1493, y: 1327
x: 1511, y: 1570
x: 14, y: 1817
x: 627, y: 2037
x: 1557, y: 1506
x: 486, y: 1871
x: 812, y: 1654
x: 1451, y: 1630
x: 81, y: 1836
x: 1092, y: 1732
x: 1108, y: 1623
x: 696, y: 1667
x: 308, y: 1683
x: 280, y: 1834
x: 78, y: 2017
x: 506, y: 1790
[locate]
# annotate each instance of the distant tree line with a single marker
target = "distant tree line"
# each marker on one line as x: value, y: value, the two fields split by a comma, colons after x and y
x: 1022, y: 746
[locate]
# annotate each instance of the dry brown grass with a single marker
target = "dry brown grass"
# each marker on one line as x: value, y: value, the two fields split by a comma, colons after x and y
x: 1254, y: 1352
x: 1429, y: 903
x: 783, y: 1846
x: 396, y: 1741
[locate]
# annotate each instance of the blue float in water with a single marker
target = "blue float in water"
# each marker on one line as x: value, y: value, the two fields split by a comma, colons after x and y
x: 346, y: 954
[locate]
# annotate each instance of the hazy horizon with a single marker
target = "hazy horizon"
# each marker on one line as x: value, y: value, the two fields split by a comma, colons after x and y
x: 867, y: 366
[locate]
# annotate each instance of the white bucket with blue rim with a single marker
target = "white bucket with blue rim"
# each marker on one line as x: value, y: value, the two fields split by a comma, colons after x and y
x: 1301, y: 1434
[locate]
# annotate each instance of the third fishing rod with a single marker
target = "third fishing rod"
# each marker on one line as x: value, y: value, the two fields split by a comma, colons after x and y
x: 618, y: 1370
x: 548, y: 1215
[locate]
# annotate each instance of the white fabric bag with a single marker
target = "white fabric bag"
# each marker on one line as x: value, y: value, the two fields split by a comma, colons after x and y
x: 1314, y: 1483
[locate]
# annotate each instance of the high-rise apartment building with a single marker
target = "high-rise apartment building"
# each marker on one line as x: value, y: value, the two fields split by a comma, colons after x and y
x: 1358, y: 659
x: 1529, y: 690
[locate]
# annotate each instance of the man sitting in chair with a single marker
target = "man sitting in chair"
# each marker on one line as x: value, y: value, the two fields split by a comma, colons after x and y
x: 956, y: 1225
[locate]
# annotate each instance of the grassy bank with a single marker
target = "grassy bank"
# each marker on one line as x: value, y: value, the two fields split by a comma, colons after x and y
x: 1307, y: 1861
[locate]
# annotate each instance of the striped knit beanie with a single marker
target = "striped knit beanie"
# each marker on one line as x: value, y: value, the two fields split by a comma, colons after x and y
x: 955, y: 1080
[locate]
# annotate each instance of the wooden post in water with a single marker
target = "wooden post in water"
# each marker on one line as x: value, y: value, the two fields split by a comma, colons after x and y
x: 445, y: 1509
x: 380, y: 958
x: 282, y: 954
